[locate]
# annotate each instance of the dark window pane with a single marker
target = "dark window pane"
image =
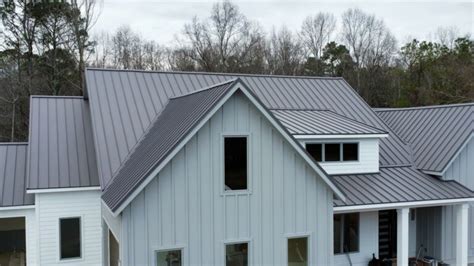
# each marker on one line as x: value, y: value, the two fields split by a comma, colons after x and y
x: 350, y: 151
x: 236, y: 254
x: 332, y: 152
x: 235, y: 156
x: 70, y: 238
x: 337, y: 233
x: 316, y: 150
x: 351, y: 232
x: 298, y: 251
x: 169, y: 258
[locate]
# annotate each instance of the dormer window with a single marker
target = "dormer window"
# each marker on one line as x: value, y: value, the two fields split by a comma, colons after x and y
x: 333, y: 152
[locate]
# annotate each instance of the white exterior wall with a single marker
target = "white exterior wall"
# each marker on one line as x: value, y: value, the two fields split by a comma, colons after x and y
x: 30, y: 231
x: 368, y: 242
x: 52, y: 206
x: 368, y: 157
x: 185, y: 205
x: 461, y: 169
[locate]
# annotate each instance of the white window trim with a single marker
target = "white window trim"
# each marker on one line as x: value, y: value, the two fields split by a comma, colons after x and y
x: 76, y: 259
x: 342, y: 235
x: 248, y: 241
x: 156, y: 250
x: 341, y: 142
x: 247, y: 191
x: 308, y: 243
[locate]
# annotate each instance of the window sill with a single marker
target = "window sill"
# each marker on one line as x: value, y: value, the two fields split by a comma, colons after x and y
x: 236, y: 192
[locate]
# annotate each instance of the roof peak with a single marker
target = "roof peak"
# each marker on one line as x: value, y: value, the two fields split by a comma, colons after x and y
x: 212, y: 73
x: 230, y: 81
x: 424, y: 107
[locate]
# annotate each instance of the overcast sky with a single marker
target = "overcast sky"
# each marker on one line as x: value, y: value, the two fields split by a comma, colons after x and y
x: 161, y: 20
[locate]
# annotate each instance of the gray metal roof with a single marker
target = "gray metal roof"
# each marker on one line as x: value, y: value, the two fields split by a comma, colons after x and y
x: 394, y: 185
x: 61, y: 147
x: 13, y: 175
x: 124, y: 103
x: 436, y: 133
x: 322, y: 122
x: 177, y: 119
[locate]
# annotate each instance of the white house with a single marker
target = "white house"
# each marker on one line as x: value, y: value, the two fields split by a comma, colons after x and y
x: 177, y: 168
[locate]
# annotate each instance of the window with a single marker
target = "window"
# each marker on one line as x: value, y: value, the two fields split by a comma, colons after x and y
x: 350, y: 151
x: 346, y: 233
x: 169, y: 258
x: 235, y: 160
x: 315, y: 150
x: 333, y: 152
x: 236, y: 254
x: 298, y: 251
x: 70, y: 237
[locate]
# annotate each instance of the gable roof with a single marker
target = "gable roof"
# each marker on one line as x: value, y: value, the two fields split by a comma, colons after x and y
x: 13, y: 175
x: 125, y: 102
x: 61, y: 146
x: 322, y: 122
x: 397, y: 185
x: 181, y: 118
x: 435, y: 133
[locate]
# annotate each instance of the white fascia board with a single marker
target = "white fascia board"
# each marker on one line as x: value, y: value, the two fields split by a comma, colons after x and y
x: 432, y: 173
x: 54, y: 190
x: 413, y: 204
x: 355, y: 136
x: 13, y: 208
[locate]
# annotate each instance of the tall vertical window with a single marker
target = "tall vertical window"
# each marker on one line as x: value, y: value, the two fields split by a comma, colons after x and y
x: 298, y: 251
x: 346, y: 233
x: 70, y: 237
x: 235, y: 163
x: 169, y: 258
x: 236, y: 254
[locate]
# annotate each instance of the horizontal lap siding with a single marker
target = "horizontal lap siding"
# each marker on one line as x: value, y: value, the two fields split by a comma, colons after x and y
x: 84, y: 204
x: 185, y: 207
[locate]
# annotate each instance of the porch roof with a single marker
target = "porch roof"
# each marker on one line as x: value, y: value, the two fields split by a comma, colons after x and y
x: 400, y: 184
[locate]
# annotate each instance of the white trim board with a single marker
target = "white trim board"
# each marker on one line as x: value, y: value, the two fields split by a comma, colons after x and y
x: 13, y: 208
x: 246, y: 91
x: 347, y: 136
x: 53, y: 190
x: 412, y: 204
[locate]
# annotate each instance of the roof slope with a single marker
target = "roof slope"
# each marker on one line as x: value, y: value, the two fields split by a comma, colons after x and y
x: 124, y: 104
x: 179, y: 116
x: 61, y: 147
x: 13, y: 175
x: 396, y: 185
x: 322, y: 122
x: 436, y: 133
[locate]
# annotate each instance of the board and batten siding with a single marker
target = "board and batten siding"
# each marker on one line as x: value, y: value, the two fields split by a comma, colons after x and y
x: 461, y: 170
x: 186, y: 207
x: 51, y: 207
x: 368, y: 157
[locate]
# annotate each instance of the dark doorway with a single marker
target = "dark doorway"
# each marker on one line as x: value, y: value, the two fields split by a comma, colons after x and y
x: 387, y: 234
x: 114, y: 255
x: 12, y: 241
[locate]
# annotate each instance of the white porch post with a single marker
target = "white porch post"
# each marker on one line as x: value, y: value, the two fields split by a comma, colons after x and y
x: 462, y: 234
x: 402, y: 236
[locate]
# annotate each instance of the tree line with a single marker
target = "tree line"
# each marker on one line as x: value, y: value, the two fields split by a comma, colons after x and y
x: 47, y: 45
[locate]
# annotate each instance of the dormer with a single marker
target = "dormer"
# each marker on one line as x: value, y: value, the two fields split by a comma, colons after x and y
x: 341, y: 145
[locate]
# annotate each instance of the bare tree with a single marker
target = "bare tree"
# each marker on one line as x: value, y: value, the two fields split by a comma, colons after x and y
x: 284, y: 54
x: 447, y: 36
x: 316, y: 32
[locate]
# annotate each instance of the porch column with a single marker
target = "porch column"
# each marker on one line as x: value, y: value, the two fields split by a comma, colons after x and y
x: 462, y: 215
x: 402, y: 236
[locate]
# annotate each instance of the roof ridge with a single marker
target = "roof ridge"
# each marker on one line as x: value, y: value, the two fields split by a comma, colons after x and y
x: 205, y: 88
x: 13, y: 143
x: 57, y: 96
x: 212, y: 73
x: 300, y: 109
x: 423, y: 107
